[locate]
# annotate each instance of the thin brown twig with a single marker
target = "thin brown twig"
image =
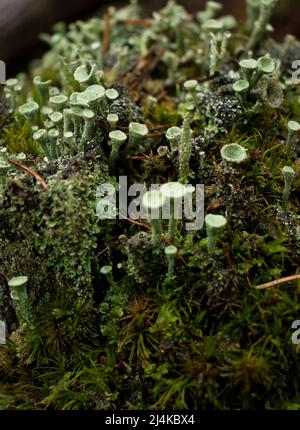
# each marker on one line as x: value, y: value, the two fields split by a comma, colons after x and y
x: 278, y: 282
x: 154, y: 135
x: 32, y: 172
x: 140, y: 224
x: 106, y: 33
x: 141, y: 22
x: 137, y: 157
x: 158, y: 127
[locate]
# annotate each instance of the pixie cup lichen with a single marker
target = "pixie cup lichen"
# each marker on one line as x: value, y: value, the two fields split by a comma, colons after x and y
x: 41, y: 136
x: 241, y: 88
x: 153, y: 201
x: 107, y: 272
x: 57, y: 118
x: 19, y: 296
x: 174, y: 136
x: 84, y: 76
x: 174, y: 193
x: 137, y: 132
x: 53, y: 135
x: 112, y: 119
x: 170, y: 253
x: 30, y: 112
x: 293, y: 129
x: 289, y: 176
x: 111, y: 94
x: 42, y: 89
x: 117, y: 138
x: 214, y: 226
x: 88, y: 117
x: 190, y: 86
x: 93, y: 97
x: 58, y: 102
x: 248, y: 66
x: 234, y: 153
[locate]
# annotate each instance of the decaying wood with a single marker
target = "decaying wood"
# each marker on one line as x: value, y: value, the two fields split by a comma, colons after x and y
x: 282, y: 281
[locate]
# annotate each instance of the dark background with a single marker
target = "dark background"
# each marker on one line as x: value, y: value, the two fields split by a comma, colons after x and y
x: 21, y: 21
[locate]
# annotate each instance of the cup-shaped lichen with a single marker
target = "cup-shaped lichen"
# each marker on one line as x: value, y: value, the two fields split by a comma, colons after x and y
x: 57, y: 119
x: 171, y: 252
x: 89, y: 126
x: 58, y: 102
x: 293, y: 129
x: 30, y: 112
x: 117, y: 138
x: 212, y: 8
x: 173, y: 193
x: 153, y: 202
x: 42, y: 89
x: 174, y: 136
x: 137, y: 132
x: 190, y: 86
x: 289, y: 176
x: 214, y: 226
x: 93, y: 97
x: 234, y: 153
x: 241, y: 88
x: 248, y: 66
x: 12, y: 86
x: 46, y: 111
x: 213, y: 26
x: 75, y: 113
x: 266, y: 65
x: 112, y: 119
x: 107, y: 272
x: 41, y: 136
x: 162, y: 151
x: 19, y: 296
x: 111, y: 94
x: 84, y: 76
x: 53, y: 135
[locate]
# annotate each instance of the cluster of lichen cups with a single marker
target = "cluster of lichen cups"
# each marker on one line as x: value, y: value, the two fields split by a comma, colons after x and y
x: 62, y: 124
x: 19, y: 296
x: 253, y: 71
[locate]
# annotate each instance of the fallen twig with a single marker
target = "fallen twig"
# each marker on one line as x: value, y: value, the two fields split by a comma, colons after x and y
x: 278, y: 282
x: 140, y: 224
x: 154, y: 134
x: 106, y: 33
x: 32, y: 172
x: 139, y: 22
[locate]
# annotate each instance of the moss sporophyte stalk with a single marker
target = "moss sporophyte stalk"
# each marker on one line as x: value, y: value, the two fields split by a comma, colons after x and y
x: 149, y: 207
